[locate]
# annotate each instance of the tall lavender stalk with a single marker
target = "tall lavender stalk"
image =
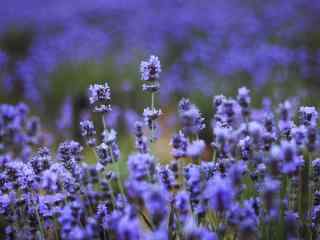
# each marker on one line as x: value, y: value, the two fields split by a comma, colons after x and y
x: 108, y: 151
x: 150, y: 72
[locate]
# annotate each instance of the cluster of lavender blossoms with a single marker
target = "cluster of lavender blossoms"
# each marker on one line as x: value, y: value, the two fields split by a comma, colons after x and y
x: 262, y: 182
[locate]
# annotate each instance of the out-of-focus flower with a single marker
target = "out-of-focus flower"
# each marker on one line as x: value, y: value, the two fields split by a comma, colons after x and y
x: 290, y: 159
x: 220, y: 193
x: 244, y: 100
x: 179, y: 145
x: 141, y: 166
x: 270, y: 189
x: 308, y: 116
x: 156, y: 202
x: 190, y: 117
x: 195, y: 149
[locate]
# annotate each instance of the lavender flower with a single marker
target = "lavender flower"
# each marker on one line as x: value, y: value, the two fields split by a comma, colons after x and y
x: 141, y: 140
x: 245, y: 148
x: 270, y: 189
x: 88, y: 132
x: 195, y: 149
x: 209, y: 169
x: 190, y: 117
x: 99, y: 97
x: 104, y: 154
x: 299, y: 135
x: 255, y: 131
x: 237, y: 172
x: 218, y: 100
x: 288, y: 154
x: 316, y: 167
x: 167, y: 177
x: 194, y: 232
x: 316, y: 215
x: 181, y: 202
x: 179, y: 145
x: 108, y: 151
x: 156, y: 202
x: 150, y: 70
x: 128, y: 228
x: 219, y: 193
x: 244, y: 101
x: 285, y: 124
x: 275, y: 161
x: 222, y: 140
x: 227, y: 112
x: 4, y: 204
x: 150, y: 115
x: 141, y: 166
x: 195, y: 185
x: 292, y: 224
x: 244, y: 219
x: 308, y: 116
x: 69, y: 153
x: 41, y: 161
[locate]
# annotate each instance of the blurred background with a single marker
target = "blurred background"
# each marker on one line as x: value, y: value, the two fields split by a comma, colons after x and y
x: 50, y: 51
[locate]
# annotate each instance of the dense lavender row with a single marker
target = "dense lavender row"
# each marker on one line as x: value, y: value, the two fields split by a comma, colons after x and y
x: 262, y: 181
x: 214, y: 39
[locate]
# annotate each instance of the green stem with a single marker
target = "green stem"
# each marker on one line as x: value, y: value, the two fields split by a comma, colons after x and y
x: 180, y: 173
x: 104, y: 122
x: 283, y: 193
x: 152, y: 123
x: 146, y: 219
x: 304, y: 208
x: 214, y: 155
x: 56, y: 232
x: 119, y: 179
x: 40, y: 223
x: 113, y: 160
x: 119, y: 175
x: 111, y: 190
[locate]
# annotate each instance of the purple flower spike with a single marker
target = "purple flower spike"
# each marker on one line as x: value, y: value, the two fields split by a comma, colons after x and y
x: 99, y: 97
x: 150, y: 70
x: 220, y: 194
x: 190, y: 117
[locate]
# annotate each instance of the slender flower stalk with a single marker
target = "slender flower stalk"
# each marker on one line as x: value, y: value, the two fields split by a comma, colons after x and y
x: 153, y: 109
x: 108, y: 150
x: 150, y: 72
x: 304, y: 207
x: 41, y: 229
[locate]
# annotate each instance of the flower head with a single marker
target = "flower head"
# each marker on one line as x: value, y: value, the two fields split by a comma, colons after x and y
x: 150, y: 70
x: 99, y: 96
x: 190, y: 117
x: 196, y: 149
x: 88, y: 132
x: 244, y: 100
x: 141, y: 166
x: 179, y: 145
x: 308, y: 116
x: 220, y: 193
x: 150, y: 115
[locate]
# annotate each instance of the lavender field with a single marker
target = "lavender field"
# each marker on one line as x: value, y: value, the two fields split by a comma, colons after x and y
x: 159, y: 120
